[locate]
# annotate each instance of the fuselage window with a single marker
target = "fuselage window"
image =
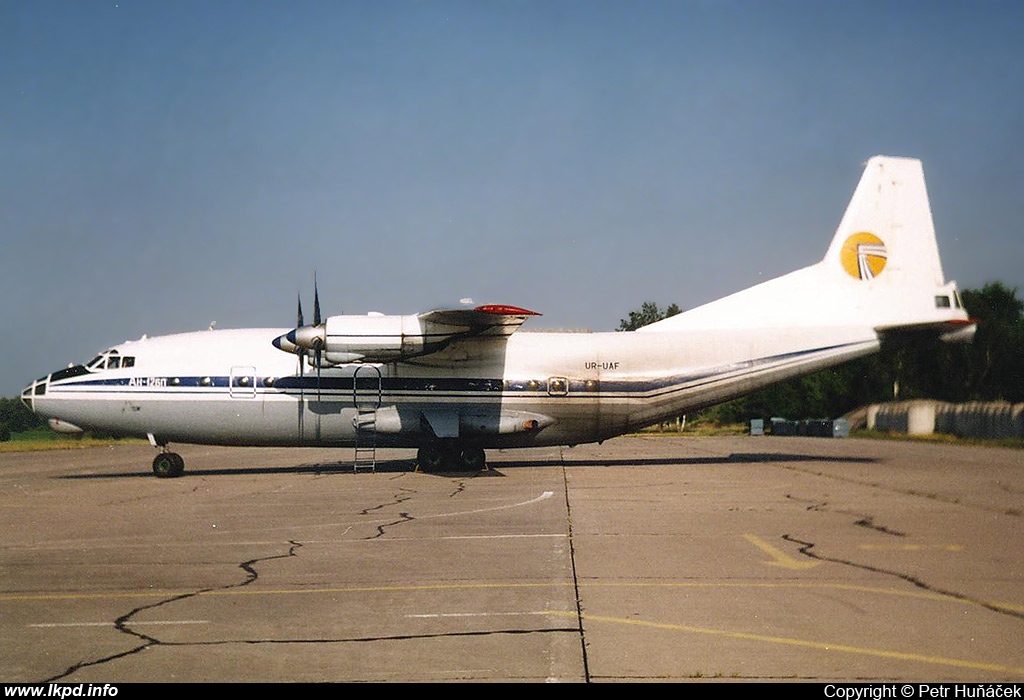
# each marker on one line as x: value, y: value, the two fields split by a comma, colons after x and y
x: 942, y: 302
x: 558, y: 386
x: 128, y: 361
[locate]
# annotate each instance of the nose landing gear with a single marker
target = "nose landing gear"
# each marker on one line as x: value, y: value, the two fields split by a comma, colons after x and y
x: 168, y: 465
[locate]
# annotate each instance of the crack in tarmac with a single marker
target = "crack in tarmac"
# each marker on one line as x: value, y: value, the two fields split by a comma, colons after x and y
x: 942, y: 498
x: 806, y: 547
x: 122, y: 623
x: 404, y: 516
x: 868, y: 522
x: 580, y: 628
x: 387, y: 638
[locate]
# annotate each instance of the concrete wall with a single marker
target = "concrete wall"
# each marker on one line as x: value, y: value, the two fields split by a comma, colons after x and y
x: 924, y: 417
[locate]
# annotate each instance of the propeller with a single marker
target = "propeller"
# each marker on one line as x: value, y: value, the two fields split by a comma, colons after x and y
x: 302, y: 367
x: 316, y: 303
x: 302, y: 339
x: 299, y: 323
x: 318, y: 341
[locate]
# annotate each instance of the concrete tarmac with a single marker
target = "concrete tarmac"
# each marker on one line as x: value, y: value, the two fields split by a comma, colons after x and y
x: 641, y: 559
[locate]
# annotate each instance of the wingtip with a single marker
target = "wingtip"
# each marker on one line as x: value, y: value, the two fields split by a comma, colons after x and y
x: 506, y: 310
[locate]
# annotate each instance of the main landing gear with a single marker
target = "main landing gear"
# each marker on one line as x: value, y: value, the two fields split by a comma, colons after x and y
x: 168, y: 465
x: 450, y: 456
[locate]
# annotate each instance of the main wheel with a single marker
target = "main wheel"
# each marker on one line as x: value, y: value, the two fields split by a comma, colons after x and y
x: 431, y: 458
x: 472, y: 459
x: 168, y: 465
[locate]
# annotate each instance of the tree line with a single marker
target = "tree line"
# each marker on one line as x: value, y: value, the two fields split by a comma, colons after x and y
x: 16, y: 418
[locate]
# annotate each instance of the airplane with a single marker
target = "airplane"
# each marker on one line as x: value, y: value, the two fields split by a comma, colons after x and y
x: 454, y: 382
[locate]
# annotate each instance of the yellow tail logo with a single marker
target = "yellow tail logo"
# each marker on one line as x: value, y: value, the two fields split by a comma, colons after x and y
x: 863, y: 256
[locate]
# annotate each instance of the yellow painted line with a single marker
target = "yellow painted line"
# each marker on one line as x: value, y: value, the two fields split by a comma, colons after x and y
x: 920, y: 595
x: 806, y: 643
x: 249, y: 591
x: 745, y: 636
x: 910, y: 547
x: 285, y: 591
x: 780, y: 558
x: 135, y: 623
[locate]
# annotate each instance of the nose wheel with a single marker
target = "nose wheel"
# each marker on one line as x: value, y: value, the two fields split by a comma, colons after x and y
x: 168, y: 465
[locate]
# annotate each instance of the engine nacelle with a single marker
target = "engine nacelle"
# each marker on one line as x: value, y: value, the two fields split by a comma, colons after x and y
x: 390, y: 419
x: 379, y: 338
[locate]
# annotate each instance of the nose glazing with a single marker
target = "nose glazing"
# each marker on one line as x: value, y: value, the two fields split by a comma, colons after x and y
x: 36, y: 388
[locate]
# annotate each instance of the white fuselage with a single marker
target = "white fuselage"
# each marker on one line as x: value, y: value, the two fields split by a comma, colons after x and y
x: 233, y: 387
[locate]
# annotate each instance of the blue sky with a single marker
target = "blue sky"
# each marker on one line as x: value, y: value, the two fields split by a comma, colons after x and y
x: 168, y: 164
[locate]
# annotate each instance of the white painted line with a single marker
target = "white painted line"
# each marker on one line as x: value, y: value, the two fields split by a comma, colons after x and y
x: 470, y: 537
x: 134, y: 623
x: 543, y: 497
x: 505, y: 614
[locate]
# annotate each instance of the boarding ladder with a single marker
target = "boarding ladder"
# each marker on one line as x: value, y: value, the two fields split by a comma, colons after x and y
x: 366, y: 397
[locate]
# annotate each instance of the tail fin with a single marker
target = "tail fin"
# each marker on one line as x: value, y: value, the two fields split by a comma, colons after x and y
x: 882, y: 270
x: 891, y: 198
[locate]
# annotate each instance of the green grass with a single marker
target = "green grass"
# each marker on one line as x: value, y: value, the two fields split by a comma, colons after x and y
x: 1011, y: 442
x: 46, y: 439
x: 694, y: 430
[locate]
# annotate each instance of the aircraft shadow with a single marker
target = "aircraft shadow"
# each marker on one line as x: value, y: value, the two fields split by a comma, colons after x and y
x: 388, y: 466
x: 735, y: 458
x: 398, y: 466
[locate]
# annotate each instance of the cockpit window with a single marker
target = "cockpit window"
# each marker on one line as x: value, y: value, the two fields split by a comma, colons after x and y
x: 110, y: 360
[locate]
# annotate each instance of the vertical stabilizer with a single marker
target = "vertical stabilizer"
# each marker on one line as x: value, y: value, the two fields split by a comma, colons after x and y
x: 887, y: 235
x: 882, y: 270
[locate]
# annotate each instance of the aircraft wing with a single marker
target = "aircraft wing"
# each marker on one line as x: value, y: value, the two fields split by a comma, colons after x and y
x: 383, y: 338
x: 488, y: 319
